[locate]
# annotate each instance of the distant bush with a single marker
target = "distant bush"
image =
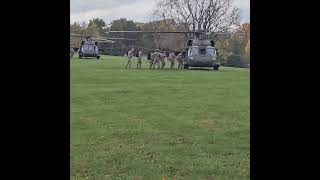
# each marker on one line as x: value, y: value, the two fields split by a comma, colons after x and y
x: 232, y: 60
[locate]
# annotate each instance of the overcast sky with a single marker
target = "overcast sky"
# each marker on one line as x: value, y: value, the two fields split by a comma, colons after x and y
x: 136, y: 10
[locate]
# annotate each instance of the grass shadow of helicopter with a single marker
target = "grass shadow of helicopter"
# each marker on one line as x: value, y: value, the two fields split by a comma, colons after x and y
x: 199, y: 69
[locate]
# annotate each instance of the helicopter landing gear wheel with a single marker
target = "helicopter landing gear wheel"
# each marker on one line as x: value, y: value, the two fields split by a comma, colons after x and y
x: 186, y: 66
x: 80, y: 56
x: 98, y: 57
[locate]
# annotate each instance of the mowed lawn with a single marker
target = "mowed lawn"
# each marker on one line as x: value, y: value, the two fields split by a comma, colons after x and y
x: 149, y: 124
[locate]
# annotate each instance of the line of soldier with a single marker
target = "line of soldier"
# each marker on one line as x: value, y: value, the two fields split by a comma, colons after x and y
x: 155, y: 58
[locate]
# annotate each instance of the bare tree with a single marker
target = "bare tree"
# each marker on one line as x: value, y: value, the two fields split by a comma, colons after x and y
x: 200, y: 15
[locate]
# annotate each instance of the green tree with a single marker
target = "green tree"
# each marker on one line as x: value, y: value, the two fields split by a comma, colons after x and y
x: 232, y: 51
x: 100, y: 23
x: 245, y: 42
x: 123, y: 24
x: 77, y: 29
x: 93, y: 30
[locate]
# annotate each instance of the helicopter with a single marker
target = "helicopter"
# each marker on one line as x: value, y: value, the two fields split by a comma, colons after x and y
x: 199, y: 50
x: 89, y: 46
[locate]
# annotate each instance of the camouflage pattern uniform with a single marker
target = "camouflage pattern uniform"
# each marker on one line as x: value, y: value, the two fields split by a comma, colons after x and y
x: 163, y: 60
x: 139, y: 60
x: 180, y: 60
x: 151, y: 59
x: 157, y: 59
x: 171, y: 59
x: 129, y: 59
x: 71, y: 52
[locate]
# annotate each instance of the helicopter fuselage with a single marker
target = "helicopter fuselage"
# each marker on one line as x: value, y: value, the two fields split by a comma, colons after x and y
x: 201, y: 56
x: 89, y: 49
x: 200, y: 53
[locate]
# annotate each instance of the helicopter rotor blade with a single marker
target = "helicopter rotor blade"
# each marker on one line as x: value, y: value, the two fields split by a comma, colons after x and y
x: 74, y: 34
x: 105, y: 41
x: 123, y: 39
x: 107, y: 38
x: 100, y: 39
x: 228, y: 33
x: 151, y: 32
x: 189, y: 32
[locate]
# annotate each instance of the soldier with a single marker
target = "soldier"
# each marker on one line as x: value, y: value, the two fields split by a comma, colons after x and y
x: 71, y: 52
x: 151, y: 59
x: 180, y: 60
x: 129, y: 59
x: 139, y: 59
x: 163, y: 59
x: 171, y: 59
x: 156, y: 59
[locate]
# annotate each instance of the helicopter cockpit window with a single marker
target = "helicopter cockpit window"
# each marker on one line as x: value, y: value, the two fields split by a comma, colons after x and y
x: 202, y: 51
x: 91, y: 48
x: 193, y: 51
x: 85, y: 47
x: 211, y: 51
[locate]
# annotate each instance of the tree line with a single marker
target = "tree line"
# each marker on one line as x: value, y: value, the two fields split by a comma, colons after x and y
x: 176, y: 15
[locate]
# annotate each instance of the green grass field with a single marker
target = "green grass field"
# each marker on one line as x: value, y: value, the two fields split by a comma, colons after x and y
x: 149, y: 124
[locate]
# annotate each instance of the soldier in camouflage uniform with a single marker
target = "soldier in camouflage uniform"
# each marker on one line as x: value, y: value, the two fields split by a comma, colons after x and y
x: 163, y: 59
x: 171, y: 59
x: 139, y: 59
x: 71, y: 52
x: 180, y: 60
x: 151, y: 59
x: 129, y: 58
x: 157, y: 58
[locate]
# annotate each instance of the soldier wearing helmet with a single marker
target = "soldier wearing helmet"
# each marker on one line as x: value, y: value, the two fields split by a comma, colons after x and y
x: 129, y: 58
x: 139, y: 59
x: 171, y: 58
x: 163, y: 59
x: 180, y: 60
x: 156, y: 58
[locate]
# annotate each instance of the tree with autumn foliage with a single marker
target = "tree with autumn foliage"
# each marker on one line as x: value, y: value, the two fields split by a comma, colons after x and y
x: 234, y: 50
x: 245, y: 42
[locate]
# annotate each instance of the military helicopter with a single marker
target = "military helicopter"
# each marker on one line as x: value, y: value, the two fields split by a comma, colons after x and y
x: 199, y: 50
x: 88, y: 46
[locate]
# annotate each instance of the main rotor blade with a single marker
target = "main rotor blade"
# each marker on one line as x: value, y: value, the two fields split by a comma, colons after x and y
x: 102, y: 39
x: 122, y: 39
x: 189, y: 32
x: 151, y: 32
x: 228, y: 33
x: 107, y: 41
x: 74, y: 34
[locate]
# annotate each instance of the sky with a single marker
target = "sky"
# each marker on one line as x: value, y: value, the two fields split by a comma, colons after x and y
x: 136, y: 10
